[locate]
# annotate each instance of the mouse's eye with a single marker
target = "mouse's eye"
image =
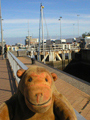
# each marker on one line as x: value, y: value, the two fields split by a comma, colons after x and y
x: 30, y: 79
x: 46, y: 79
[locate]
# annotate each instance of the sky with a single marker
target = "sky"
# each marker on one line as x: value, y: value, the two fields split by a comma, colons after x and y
x: 19, y: 16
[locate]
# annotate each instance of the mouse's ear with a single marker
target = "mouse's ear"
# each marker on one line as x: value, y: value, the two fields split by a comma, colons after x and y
x: 20, y: 72
x: 54, y: 76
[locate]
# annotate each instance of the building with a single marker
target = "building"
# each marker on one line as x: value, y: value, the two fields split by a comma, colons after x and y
x: 31, y: 41
x: 87, y: 42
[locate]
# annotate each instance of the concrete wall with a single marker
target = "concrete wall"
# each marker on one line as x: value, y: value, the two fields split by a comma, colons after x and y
x: 85, y: 54
x: 19, y: 53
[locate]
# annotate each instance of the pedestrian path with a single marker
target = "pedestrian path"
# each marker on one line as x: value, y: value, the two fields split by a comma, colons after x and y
x: 79, y: 100
x: 7, y: 81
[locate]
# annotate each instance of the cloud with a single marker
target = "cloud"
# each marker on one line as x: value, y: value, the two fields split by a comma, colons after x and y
x: 19, y: 27
x: 82, y: 18
x: 20, y: 21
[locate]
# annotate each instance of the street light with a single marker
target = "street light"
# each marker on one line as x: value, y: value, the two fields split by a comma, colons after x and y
x: 78, y: 24
x: 2, y: 40
x: 73, y: 31
x: 60, y: 26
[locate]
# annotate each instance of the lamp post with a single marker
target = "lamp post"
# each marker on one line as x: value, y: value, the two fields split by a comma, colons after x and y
x: 60, y: 27
x: 42, y: 25
x: 28, y: 36
x: 1, y: 32
x: 73, y: 31
x: 78, y: 24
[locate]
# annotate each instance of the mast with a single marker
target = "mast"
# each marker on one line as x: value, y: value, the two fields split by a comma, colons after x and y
x: 42, y: 30
x: 1, y: 32
x: 42, y: 25
x: 39, y: 35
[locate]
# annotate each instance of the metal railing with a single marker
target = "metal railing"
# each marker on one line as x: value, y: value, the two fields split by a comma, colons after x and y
x: 56, y: 47
x: 15, y: 64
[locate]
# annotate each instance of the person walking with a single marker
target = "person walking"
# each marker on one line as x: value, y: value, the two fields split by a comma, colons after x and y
x: 5, y: 51
x: 0, y: 50
x: 32, y: 57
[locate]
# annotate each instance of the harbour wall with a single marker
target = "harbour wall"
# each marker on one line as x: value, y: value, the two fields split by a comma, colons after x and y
x: 80, y: 65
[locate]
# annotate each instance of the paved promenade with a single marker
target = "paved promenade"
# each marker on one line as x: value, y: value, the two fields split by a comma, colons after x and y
x: 7, y: 81
x: 79, y: 100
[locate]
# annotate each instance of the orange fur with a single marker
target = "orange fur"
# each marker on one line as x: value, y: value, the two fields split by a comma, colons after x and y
x: 37, y: 98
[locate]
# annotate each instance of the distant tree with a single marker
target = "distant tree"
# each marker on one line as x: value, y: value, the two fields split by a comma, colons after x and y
x: 88, y: 34
x: 85, y: 34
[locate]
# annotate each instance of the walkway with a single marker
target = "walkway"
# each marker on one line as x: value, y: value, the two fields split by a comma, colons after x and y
x: 79, y: 100
x: 7, y: 82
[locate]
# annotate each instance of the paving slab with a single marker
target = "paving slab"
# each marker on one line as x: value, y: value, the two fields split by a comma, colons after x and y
x: 7, y: 82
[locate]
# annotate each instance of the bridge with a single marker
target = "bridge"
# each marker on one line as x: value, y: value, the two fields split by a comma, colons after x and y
x: 74, y: 89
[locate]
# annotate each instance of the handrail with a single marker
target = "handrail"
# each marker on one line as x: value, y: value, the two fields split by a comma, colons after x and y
x: 15, y: 64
